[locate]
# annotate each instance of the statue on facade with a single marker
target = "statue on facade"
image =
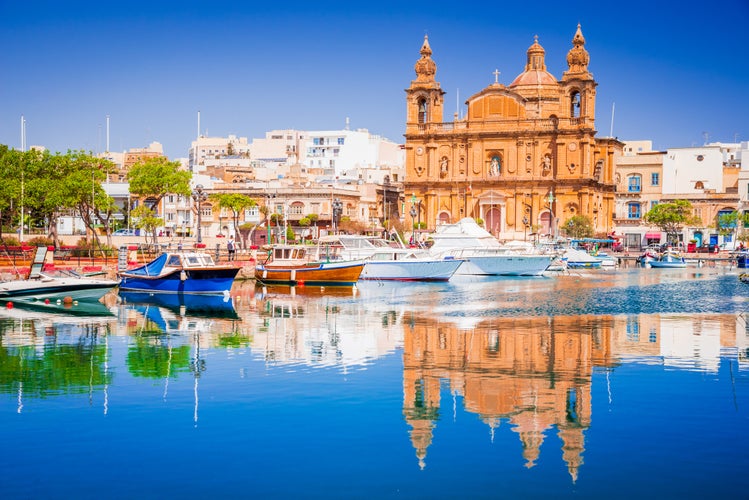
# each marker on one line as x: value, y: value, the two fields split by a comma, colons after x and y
x: 495, y: 166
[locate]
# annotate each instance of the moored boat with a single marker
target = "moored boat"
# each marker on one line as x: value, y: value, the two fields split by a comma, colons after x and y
x: 301, y: 265
x: 742, y: 258
x: 180, y: 272
x: 576, y: 258
x: 482, y: 253
x: 386, y: 262
x: 669, y: 259
x: 40, y: 286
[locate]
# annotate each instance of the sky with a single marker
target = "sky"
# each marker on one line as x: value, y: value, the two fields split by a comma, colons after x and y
x: 673, y: 72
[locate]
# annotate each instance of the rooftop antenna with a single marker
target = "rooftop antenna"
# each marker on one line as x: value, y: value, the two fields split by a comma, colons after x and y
x: 457, y: 104
x: 611, y: 131
x: 107, y: 135
x: 706, y: 136
x: 347, y: 123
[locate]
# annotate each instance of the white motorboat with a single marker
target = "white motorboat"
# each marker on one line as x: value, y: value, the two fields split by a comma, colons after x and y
x: 669, y: 259
x: 482, y: 253
x: 384, y: 261
x: 39, y: 286
x: 577, y: 258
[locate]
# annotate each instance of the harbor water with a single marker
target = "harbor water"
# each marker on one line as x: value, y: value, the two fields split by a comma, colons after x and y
x: 604, y: 383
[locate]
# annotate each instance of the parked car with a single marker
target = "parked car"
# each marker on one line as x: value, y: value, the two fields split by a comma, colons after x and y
x: 125, y: 232
x: 708, y: 249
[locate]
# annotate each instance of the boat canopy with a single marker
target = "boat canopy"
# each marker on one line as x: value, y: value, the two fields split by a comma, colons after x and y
x: 153, y: 268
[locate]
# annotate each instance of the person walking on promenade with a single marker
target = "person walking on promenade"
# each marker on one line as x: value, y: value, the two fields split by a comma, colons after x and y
x: 230, y: 247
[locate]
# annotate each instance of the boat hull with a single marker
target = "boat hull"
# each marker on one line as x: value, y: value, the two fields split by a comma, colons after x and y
x: 320, y: 274
x: 414, y: 270
x: 191, y: 281
x: 77, y: 289
x: 584, y: 265
x: 666, y: 265
x: 504, y: 265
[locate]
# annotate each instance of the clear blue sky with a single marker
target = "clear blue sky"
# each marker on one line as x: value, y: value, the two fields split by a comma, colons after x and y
x: 676, y: 70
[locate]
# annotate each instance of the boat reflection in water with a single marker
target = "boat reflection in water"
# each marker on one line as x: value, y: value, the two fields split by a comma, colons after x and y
x: 213, y: 305
x: 547, y: 402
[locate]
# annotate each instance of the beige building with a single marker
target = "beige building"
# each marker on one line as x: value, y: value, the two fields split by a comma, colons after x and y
x: 639, y: 174
x: 707, y: 176
x: 524, y: 159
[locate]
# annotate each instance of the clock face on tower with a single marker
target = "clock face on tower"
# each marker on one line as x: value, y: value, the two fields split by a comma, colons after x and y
x: 419, y: 150
x: 572, y: 146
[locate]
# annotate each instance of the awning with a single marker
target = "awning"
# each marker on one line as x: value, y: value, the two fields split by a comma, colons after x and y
x: 653, y: 236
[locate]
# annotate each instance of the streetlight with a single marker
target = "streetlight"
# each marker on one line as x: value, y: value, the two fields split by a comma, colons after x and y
x: 413, y: 222
x: 199, y: 196
x: 337, y: 211
x: 525, y: 228
x: 552, y: 220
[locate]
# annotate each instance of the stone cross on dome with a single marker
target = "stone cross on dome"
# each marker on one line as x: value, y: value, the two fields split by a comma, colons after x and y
x: 496, y: 76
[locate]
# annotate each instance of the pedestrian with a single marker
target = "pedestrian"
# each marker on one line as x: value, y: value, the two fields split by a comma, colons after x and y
x: 230, y: 247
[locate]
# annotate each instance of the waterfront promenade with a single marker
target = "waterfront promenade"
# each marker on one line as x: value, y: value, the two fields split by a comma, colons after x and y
x: 15, y: 262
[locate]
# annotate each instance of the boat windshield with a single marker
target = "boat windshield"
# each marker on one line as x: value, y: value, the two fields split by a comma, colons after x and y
x: 198, y: 260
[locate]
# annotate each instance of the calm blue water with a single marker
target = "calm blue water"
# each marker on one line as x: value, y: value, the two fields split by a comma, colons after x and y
x: 616, y: 384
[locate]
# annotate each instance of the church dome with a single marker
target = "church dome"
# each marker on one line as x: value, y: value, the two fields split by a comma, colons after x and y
x: 535, y: 68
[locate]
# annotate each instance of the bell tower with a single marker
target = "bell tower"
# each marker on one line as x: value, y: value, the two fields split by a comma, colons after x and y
x: 425, y: 98
x: 580, y: 88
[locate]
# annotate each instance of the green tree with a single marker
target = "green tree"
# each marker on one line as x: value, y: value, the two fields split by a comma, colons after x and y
x: 578, y: 226
x: 235, y: 202
x: 84, y: 175
x: 145, y: 218
x: 733, y: 223
x: 671, y: 217
x: 13, y: 167
x: 154, y: 178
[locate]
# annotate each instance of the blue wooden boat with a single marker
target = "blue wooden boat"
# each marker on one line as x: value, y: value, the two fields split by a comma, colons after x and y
x: 669, y: 259
x: 180, y: 272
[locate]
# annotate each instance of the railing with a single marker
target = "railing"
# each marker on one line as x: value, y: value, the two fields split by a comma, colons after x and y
x: 545, y: 124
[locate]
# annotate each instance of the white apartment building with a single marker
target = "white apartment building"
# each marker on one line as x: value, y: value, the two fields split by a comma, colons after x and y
x: 692, y: 170
x: 346, y: 153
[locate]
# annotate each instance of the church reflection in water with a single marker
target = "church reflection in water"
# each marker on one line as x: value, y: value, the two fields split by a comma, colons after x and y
x: 536, y: 374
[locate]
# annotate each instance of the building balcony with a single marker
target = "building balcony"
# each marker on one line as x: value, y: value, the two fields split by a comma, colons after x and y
x: 627, y: 220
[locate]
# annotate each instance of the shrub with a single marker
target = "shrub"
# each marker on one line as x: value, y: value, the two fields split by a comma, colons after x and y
x: 10, y: 241
x: 40, y: 241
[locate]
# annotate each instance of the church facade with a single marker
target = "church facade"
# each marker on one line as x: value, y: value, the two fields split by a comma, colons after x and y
x: 524, y: 159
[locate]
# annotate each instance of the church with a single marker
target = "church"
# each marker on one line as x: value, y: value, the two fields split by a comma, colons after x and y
x: 524, y: 159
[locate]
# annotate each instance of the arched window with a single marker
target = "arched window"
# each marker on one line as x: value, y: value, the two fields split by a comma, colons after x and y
x: 422, y: 111
x: 296, y: 208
